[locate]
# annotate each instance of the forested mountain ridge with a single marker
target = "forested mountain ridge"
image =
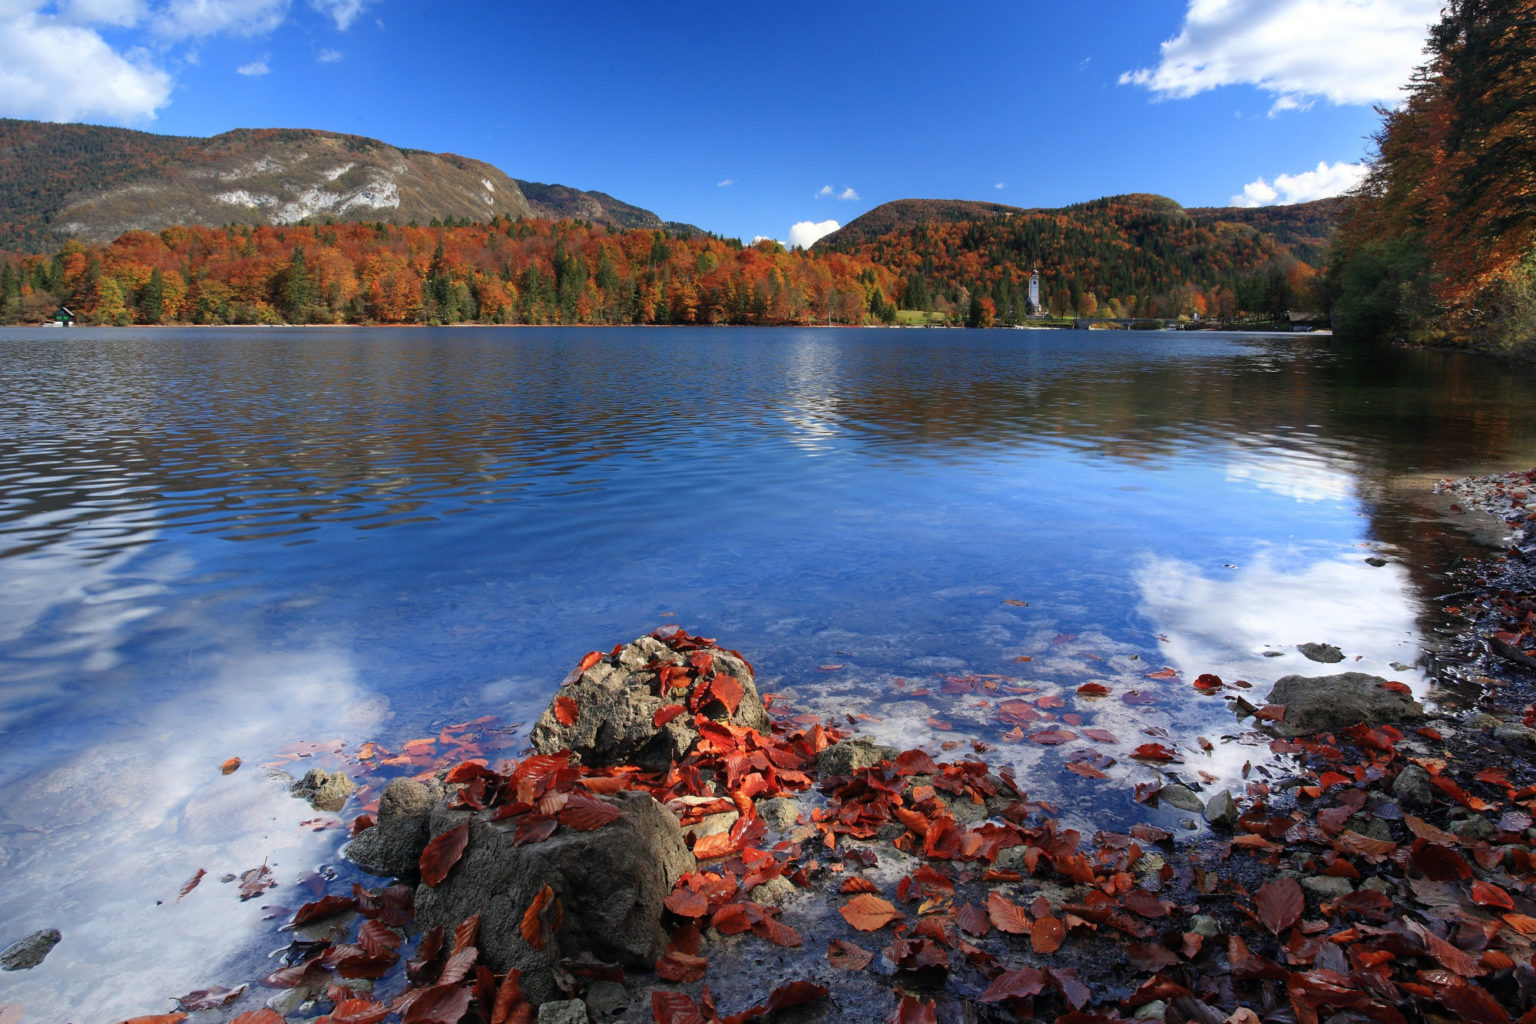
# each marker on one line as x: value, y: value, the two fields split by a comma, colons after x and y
x: 1131, y: 255
x: 92, y: 183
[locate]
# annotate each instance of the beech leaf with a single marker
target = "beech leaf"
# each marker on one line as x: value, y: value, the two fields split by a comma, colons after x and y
x: 868, y: 912
x: 565, y: 710
x: 443, y: 852
x: 1280, y: 902
x: 542, y: 918
x: 846, y: 956
x: 1007, y: 916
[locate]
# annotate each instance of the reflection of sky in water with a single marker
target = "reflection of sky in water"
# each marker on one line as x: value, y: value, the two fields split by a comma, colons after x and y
x: 217, y: 543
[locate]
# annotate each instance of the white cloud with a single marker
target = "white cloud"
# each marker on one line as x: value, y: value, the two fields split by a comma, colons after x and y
x: 725, y: 183
x: 848, y: 193
x: 804, y: 234
x: 183, y: 19
x: 57, y: 71
x: 329, y: 56
x: 825, y: 192
x: 1326, y: 180
x: 999, y: 185
x: 343, y: 11
x: 1347, y: 51
x: 255, y: 69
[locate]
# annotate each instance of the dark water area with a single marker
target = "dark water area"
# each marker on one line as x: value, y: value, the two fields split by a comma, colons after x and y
x: 235, y: 542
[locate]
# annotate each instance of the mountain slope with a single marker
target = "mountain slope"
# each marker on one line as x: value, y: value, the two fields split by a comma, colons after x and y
x: 93, y: 183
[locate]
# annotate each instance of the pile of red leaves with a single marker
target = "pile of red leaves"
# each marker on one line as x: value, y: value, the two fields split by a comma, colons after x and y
x: 1006, y: 908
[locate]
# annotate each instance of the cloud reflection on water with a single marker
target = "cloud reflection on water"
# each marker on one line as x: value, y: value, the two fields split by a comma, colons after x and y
x: 113, y: 831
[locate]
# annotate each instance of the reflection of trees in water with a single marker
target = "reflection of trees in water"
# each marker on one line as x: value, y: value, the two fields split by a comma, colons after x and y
x: 252, y: 434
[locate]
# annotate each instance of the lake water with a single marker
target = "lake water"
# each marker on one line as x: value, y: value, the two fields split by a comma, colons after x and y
x: 278, y: 544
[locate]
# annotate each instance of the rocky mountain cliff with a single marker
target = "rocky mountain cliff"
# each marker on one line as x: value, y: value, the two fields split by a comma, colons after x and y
x: 93, y: 183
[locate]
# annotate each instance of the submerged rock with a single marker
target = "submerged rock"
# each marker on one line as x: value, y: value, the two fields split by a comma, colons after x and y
x: 1320, y: 703
x: 1325, y: 654
x: 608, y: 887
x: 851, y: 755
x: 27, y: 953
x: 392, y: 847
x: 607, y: 715
x: 324, y: 790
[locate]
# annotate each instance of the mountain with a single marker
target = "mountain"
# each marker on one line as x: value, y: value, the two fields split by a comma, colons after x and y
x: 1132, y: 255
x: 561, y: 202
x: 92, y: 183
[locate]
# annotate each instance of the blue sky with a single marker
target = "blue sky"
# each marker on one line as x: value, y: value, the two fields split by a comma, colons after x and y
x: 762, y: 120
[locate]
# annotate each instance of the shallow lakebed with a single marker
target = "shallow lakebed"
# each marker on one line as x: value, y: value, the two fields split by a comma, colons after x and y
x: 281, y: 544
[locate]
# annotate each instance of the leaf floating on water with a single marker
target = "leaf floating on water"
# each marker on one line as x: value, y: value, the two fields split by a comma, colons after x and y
x: 1154, y: 752
x: 211, y: 998
x: 1016, y: 604
x: 267, y: 1015
x: 443, y: 852
x: 1093, y: 690
x: 255, y: 881
x: 1165, y: 672
x: 565, y: 710
x: 325, y: 906
x: 230, y: 767
x: 1208, y: 683
x: 1139, y: 697
x: 191, y: 883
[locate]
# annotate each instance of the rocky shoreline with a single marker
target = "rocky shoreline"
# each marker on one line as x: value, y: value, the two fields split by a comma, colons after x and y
x: 680, y: 849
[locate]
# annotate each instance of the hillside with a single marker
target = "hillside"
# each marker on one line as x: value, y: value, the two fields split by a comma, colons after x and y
x: 1132, y: 255
x: 92, y: 183
x: 561, y: 202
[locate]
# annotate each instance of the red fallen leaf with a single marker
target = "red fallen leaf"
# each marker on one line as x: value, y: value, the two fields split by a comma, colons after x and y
x: 1485, y: 894
x: 565, y: 711
x: 1154, y: 752
x: 325, y: 906
x: 1139, y: 697
x: 911, y: 1010
x: 192, y: 883
x: 1438, y: 863
x: 857, y: 883
x: 665, y: 714
x: 939, y: 723
x: 1270, y: 713
x: 1149, y: 957
x: 209, y: 998
x: 534, y: 828
x: 265, y: 1015
x: 669, y: 1007
x: 1086, y: 770
x: 1280, y: 902
x: 443, y: 852
x: 1047, y: 934
x: 378, y: 939
x: 675, y: 965
x: 1020, y: 983
x: 542, y: 918
x: 458, y: 966
x: 1397, y: 687
x: 361, y: 824
x: 1164, y: 673
x: 1007, y: 916
x: 1473, y: 1004
x: 1049, y: 702
x: 1093, y: 690
x: 1101, y: 735
x: 733, y: 918
x: 972, y: 920
x: 1143, y: 903
x: 846, y: 956
x: 716, y: 844
x: 588, y: 660
x: 440, y: 1004
x: 352, y: 1011
x: 794, y: 993
x: 1053, y: 737
x: 685, y: 902
x: 255, y: 881
x: 868, y: 912
x: 915, y: 762
x: 1150, y: 833
x: 728, y: 691
x: 1208, y: 683
x: 465, y: 935
x: 776, y: 932
x: 230, y: 767
x: 584, y: 812
x: 509, y: 995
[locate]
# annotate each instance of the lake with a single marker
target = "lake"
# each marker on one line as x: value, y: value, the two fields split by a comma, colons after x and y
x: 279, y: 544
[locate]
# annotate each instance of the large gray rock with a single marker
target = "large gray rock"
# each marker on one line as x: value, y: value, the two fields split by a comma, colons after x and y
x: 392, y: 847
x: 611, y: 884
x: 851, y: 755
x: 617, y: 698
x: 1320, y: 703
x: 1325, y: 654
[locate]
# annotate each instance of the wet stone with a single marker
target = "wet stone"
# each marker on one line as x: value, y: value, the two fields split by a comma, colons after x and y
x: 1324, y: 654
x: 1482, y: 720
x: 323, y: 790
x: 30, y: 951
x: 1413, y: 788
x: 566, y: 1011
x: 1515, y: 734
x: 851, y: 755
x: 1182, y: 797
x: 1318, y: 703
x: 1221, y: 810
x: 1475, y: 827
x: 1327, y: 886
x: 779, y: 812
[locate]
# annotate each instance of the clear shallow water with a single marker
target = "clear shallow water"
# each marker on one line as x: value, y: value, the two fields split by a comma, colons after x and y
x: 219, y: 543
